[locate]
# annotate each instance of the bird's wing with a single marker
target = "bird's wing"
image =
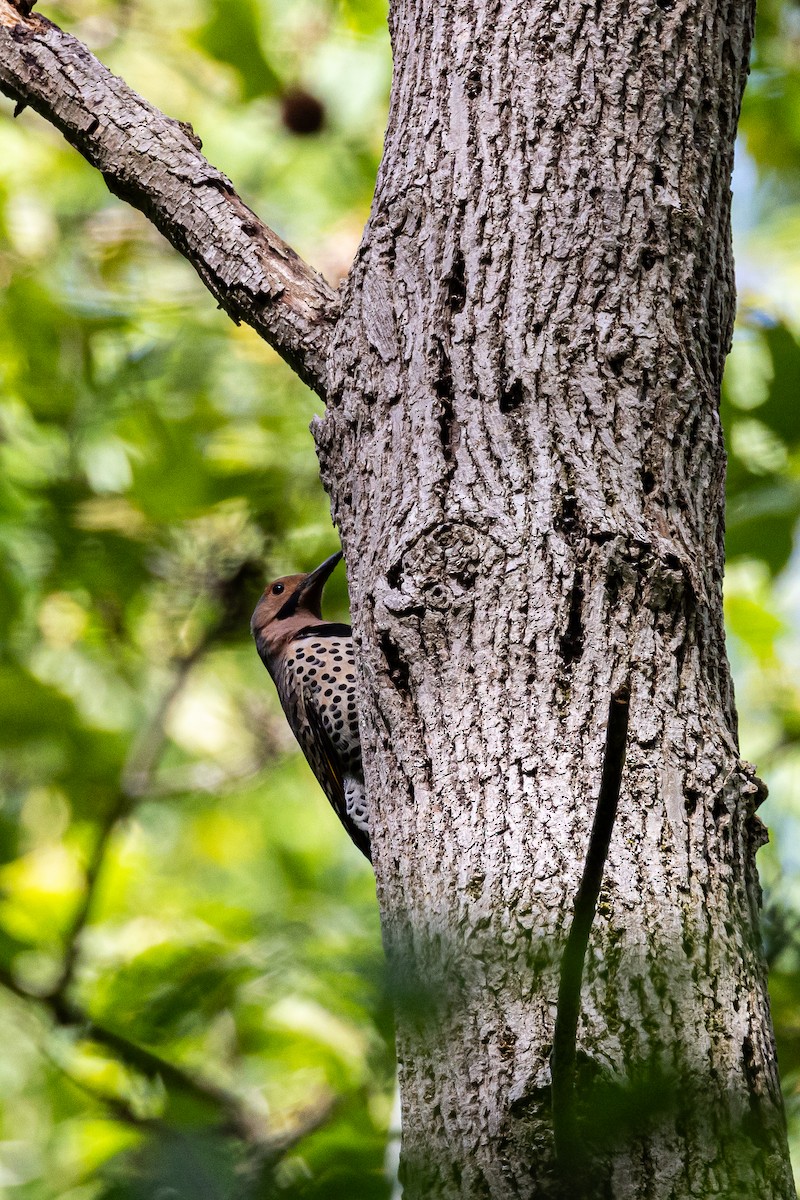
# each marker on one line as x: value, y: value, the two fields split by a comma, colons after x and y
x: 333, y: 783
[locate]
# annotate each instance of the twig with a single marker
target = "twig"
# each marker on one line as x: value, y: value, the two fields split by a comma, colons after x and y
x: 136, y: 775
x: 117, y: 1105
x: 237, y: 1119
x: 264, y: 1146
x: 202, y: 777
x: 154, y: 163
x: 568, y: 1145
x: 142, y: 760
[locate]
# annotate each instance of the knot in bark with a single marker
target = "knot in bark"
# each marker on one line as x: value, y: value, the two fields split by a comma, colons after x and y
x: 438, y: 568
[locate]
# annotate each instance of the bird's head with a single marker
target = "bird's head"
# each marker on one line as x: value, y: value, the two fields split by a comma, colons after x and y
x: 288, y: 604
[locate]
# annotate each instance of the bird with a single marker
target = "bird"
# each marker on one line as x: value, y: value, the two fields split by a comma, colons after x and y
x: 312, y: 664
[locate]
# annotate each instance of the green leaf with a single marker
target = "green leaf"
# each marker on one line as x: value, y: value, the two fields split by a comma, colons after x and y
x: 231, y: 35
x: 761, y: 522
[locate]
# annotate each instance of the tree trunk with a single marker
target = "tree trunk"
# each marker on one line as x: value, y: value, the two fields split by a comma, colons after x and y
x: 524, y: 456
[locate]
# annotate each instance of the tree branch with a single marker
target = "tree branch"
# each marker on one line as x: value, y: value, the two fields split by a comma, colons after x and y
x: 265, y: 1145
x: 118, y: 1106
x: 137, y: 775
x: 154, y: 163
x: 237, y: 1119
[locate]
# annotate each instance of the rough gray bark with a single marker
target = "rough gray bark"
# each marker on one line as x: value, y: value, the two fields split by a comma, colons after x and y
x: 155, y: 164
x: 524, y: 455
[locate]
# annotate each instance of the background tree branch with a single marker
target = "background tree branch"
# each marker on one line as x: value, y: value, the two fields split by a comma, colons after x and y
x: 137, y: 775
x: 235, y: 1117
x: 154, y: 163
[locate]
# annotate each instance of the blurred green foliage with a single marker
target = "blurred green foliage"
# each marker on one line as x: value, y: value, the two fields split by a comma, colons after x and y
x: 172, y: 882
x: 155, y: 465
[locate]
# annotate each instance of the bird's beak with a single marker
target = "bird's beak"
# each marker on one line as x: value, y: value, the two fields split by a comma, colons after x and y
x: 309, y: 593
x: 311, y: 588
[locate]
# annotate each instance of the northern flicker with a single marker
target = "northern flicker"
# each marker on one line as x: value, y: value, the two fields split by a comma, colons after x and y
x: 312, y: 663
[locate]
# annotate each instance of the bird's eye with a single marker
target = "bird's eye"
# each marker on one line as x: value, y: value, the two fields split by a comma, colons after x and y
x: 277, y: 588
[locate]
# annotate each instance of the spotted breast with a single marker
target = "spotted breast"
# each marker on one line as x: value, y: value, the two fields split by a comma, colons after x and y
x: 312, y: 662
x: 317, y: 687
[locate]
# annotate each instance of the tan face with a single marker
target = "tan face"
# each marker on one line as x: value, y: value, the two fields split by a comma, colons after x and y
x: 288, y: 604
x: 274, y: 598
